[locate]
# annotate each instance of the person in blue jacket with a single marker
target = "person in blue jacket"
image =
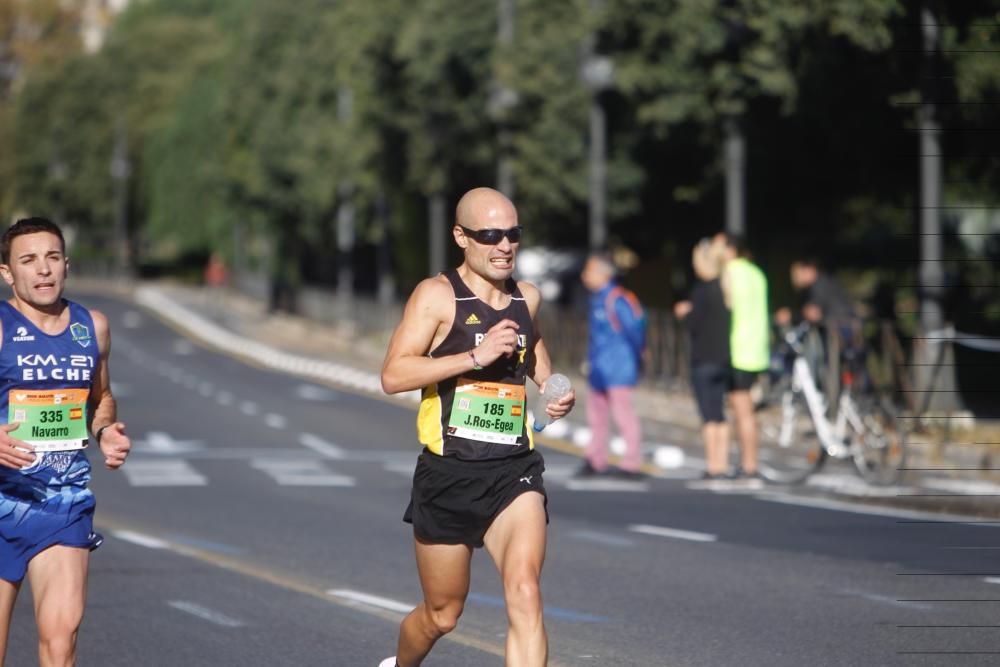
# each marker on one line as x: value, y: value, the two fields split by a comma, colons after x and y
x: 616, y: 346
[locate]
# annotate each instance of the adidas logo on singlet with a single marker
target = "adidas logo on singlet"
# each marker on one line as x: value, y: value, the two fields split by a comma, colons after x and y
x: 472, y: 319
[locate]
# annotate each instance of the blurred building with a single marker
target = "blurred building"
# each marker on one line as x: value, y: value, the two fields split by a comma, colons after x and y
x: 96, y: 17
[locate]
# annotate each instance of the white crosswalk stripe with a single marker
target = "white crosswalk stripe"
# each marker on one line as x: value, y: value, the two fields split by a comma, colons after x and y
x: 301, y: 472
x: 163, y: 473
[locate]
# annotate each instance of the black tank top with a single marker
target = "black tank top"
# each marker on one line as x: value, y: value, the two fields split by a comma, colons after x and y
x: 479, y: 415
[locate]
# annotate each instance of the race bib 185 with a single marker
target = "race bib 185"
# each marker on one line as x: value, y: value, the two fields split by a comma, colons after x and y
x: 487, y: 411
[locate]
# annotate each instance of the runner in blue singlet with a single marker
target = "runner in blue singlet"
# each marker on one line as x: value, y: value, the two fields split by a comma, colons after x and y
x: 54, y: 391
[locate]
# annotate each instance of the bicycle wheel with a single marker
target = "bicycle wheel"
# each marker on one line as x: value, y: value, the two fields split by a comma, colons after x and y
x: 880, y: 449
x: 789, y: 447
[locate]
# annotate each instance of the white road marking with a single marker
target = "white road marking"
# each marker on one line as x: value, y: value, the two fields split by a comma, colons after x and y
x: 318, y: 444
x: 163, y: 473
x: 205, y: 614
x: 885, y: 599
x: 405, y: 469
x: 870, y: 510
x: 121, y: 390
x: 621, y: 485
x: 962, y: 486
x: 142, y: 540
x: 183, y: 347
x: 158, y: 442
x: 661, y: 531
x: 301, y: 473
x: 275, y: 421
x: 727, y: 486
x: 992, y: 580
x: 372, y: 600
x: 249, y: 408
x: 601, y: 538
x: 131, y: 319
x: 224, y: 398
x: 310, y: 392
x: 852, y: 485
x: 560, y: 471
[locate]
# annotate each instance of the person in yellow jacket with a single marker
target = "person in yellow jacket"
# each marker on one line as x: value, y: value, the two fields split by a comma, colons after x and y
x: 745, y: 289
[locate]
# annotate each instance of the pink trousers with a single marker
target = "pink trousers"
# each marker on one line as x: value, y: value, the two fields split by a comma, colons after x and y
x: 615, y: 402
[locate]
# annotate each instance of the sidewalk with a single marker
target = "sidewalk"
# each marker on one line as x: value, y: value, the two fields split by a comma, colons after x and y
x: 949, y: 478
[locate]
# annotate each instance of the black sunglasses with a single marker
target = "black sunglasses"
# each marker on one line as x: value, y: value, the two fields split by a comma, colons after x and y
x: 493, y: 236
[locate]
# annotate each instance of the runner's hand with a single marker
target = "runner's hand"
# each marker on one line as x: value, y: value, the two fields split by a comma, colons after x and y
x: 115, y: 445
x: 559, y: 408
x: 14, y: 453
x: 500, y: 340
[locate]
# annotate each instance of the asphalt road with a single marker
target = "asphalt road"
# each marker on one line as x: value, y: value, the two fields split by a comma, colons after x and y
x: 258, y: 523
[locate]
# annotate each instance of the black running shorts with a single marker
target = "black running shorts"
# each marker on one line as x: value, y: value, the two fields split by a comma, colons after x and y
x: 455, y: 501
x: 740, y: 380
x: 710, y: 382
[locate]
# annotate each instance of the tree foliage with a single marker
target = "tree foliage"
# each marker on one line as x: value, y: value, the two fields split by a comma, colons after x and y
x: 249, y: 123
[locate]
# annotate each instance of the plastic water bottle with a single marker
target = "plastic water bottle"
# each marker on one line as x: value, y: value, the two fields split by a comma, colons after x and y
x: 556, y: 387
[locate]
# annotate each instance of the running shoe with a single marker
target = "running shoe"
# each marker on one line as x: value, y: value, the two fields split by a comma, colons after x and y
x: 389, y: 662
x: 629, y: 475
x: 587, y: 470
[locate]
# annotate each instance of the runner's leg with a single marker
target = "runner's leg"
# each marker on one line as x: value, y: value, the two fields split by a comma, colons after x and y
x: 597, y: 418
x: 8, y: 595
x: 716, y: 436
x: 58, y: 578
x: 444, y: 577
x: 746, y: 429
x: 516, y: 542
x: 629, y: 426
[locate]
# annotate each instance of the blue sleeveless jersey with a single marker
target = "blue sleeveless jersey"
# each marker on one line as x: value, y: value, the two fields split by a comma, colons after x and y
x: 48, y: 502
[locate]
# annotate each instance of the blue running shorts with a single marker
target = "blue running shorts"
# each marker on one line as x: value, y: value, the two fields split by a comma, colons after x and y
x: 44, y: 505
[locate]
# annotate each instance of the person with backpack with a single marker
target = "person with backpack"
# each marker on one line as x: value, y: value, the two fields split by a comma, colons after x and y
x: 617, y: 344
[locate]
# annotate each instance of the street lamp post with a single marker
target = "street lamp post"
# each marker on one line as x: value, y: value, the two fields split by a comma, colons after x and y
x: 121, y: 169
x: 735, y: 158
x: 598, y: 74
x: 345, y: 217
x: 438, y: 227
x: 936, y: 371
x: 503, y: 98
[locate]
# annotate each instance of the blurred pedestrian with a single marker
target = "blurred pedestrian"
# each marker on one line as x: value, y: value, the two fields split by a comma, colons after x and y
x: 745, y: 289
x: 617, y: 343
x: 821, y: 298
x: 216, y: 275
x: 825, y: 304
x: 708, y: 323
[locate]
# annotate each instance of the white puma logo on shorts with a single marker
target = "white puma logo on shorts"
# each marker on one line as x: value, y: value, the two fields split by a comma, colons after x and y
x: 526, y: 480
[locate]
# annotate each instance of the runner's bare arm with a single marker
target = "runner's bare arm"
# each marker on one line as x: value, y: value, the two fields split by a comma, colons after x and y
x: 426, y: 319
x: 113, y: 441
x: 407, y: 366
x: 541, y: 365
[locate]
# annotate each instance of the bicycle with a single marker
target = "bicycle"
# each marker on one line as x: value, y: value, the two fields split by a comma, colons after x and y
x: 797, y: 436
